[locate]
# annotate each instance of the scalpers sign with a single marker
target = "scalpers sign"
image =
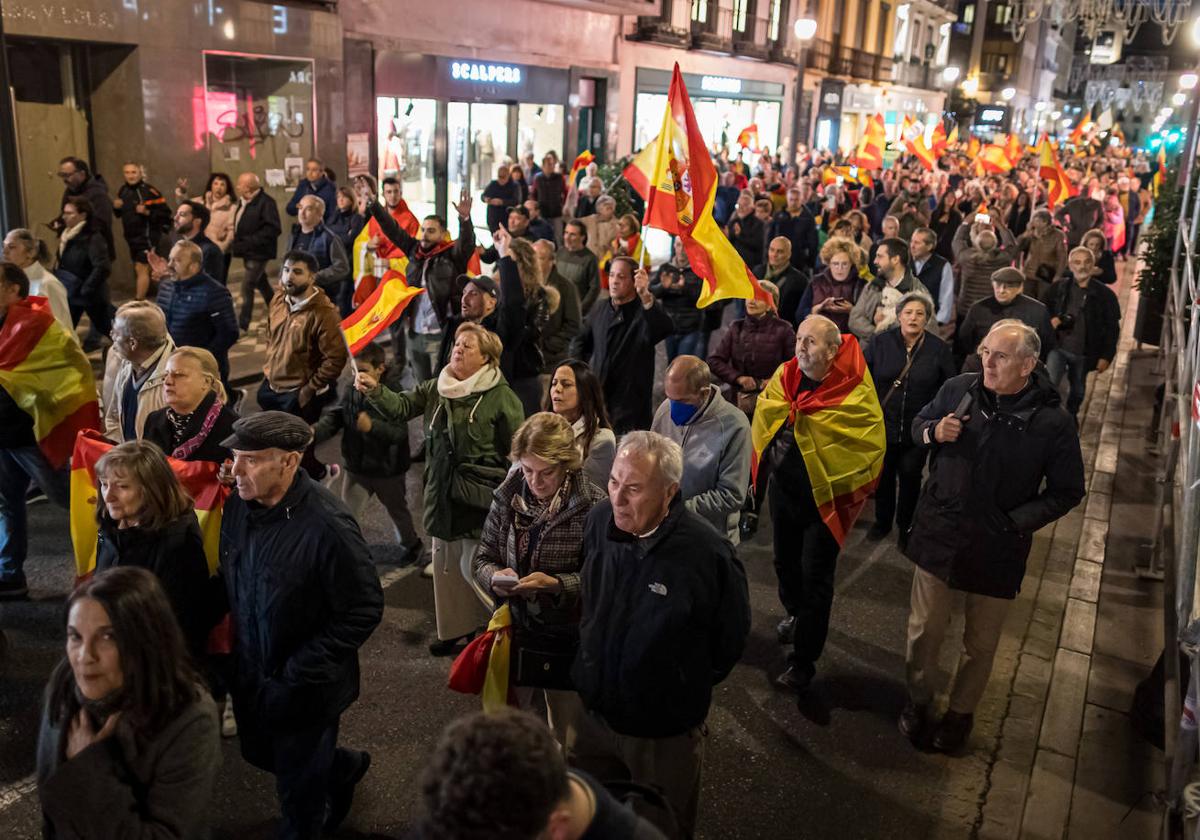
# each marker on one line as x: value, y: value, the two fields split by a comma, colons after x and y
x: 470, y: 71
x: 58, y: 13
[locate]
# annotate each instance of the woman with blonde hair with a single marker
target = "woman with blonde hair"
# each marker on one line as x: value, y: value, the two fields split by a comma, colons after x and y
x: 196, y: 417
x: 469, y: 415
x: 834, y: 291
x: 530, y: 553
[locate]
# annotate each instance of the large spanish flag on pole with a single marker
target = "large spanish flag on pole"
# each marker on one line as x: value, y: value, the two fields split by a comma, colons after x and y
x: 869, y: 154
x: 199, y: 480
x: 378, y: 312
x: 1058, y: 186
x: 838, y: 428
x: 682, y: 191
x: 46, y: 374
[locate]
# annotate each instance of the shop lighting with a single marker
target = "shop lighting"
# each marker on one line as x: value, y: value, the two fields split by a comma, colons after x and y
x: 1040, y: 106
x: 1187, y: 81
x: 1056, y: 115
x: 970, y: 86
x: 1179, y: 99
x: 951, y: 74
x: 806, y: 28
x: 1155, y: 142
x: 1196, y: 31
x: 1008, y: 93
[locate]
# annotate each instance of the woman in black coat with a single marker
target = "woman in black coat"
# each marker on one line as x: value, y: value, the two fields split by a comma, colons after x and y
x: 146, y: 519
x: 196, y: 417
x: 888, y: 357
x: 83, y: 266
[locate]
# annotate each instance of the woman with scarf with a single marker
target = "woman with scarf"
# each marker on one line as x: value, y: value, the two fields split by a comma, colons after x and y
x: 576, y: 395
x: 196, y: 417
x: 84, y: 266
x: 530, y: 553
x: 128, y: 745
x: 835, y: 290
x: 219, y: 200
x: 469, y: 416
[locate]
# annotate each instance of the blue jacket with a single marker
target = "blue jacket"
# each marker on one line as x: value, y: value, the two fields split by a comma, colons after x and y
x: 199, y: 313
x: 325, y: 190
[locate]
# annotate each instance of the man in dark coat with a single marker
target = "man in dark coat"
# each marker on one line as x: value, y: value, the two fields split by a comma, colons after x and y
x: 256, y: 232
x: 790, y: 280
x: 1007, y: 301
x: 144, y: 214
x: 79, y: 181
x: 618, y: 341
x: 665, y: 616
x: 312, y: 235
x: 303, y: 596
x: 315, y: 183
x: 198, y: 309
x: 797, y: 224
x: 191, y: 218
x: 995, y: 438
x: 1080, y: 214
x: 1087, y: 316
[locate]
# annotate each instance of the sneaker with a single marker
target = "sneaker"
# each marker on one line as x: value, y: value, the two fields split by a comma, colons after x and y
x: 342, y: 796
x: 228, y: 721
x: 34, y: 495
x: 13, y: 590
x: 952, y: 732
x: 913, y: 719
x: 427, y: 572
x: 878, y: 532
x: 797, y: 677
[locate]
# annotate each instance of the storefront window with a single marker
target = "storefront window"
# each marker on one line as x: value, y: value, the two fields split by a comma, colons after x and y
x: 259, y: 117
x: 540, y: 130
x: 720, y: 121
x: 478, y: 138
x: 405, y: 148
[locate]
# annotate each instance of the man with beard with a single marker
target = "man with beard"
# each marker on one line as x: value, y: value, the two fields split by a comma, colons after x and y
x: 191, y: 218
x: 797, y: 224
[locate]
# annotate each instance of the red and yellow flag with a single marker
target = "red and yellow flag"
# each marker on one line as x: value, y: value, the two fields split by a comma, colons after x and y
x: 838, y: 428
x: 1160, y: 174
x: 1077, y: 135
x: 1058, y: 186
x: 953, y: 138
x: 940, y: 140
x: 748, y: 137
x: 914, y: 140
x: 46, y: 374
x: 365, y: 280
x: 682, y: 191
x: 483, y: 666
x: 993, y: 159
x: 869, y: 154
x: 973, y: 147
x: 639, y: 170
x: 199, y: 480
x: 581, y: 161
x: 1013, y: 149
x: 378, y: 312
x: 848, y: 174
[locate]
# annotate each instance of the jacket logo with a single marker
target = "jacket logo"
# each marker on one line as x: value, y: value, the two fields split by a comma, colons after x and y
x: 658, y: 589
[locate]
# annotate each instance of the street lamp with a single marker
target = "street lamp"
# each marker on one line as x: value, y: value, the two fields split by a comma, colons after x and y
x: 951, y: 74
x: 806, y: 28
x: 1008, y: 93
x: 1179, y: 99
x: 1187, y: 81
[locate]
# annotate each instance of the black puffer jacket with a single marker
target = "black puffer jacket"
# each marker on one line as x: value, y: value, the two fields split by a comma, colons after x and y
x: 304, y: 597
x: 933, y: 364
x: 984, y: 496
x: 85, y: 260
x: 665, y: 618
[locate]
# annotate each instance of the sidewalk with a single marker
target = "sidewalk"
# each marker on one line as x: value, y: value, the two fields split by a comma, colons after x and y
x: 1066, y: 762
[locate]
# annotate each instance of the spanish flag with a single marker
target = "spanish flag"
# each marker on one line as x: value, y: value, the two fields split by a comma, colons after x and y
x: 1085, y: 122
x: 397, y: 262
x: 748, y: 137
x: 973, y: 147
x: 1013, y: 149
x: 199, y: 480
x: 993, y: 159
x: 1058, y: 186
x: 483, y: 666
x: 46, y: 374
x: 838, y: 428
x: 869, y: 154
x: 581, y: 161
x: 1160, y: 174
x: 940, y: 139
x: 641, y: 168
x: 378, y: 312
x: 914, y: 141
x: 682, y: 192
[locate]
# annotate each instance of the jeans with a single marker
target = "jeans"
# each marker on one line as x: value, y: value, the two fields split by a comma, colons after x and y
x: 423, y: 352
x: 289, y: 401
x: 19, y: 466
x: 686, y: 344
x: 254, y: 278
x: 307, y: 765
x: 902, y: 464
x: 1075, y: 366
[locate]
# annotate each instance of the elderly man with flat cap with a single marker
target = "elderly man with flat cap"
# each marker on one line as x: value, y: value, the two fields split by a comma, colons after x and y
x: 304, y: 596
x: 1007, y: 301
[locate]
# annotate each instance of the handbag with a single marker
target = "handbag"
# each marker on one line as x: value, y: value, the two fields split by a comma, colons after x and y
x: 473, y: 484
x: 899, y: 380
x: 543, y: 659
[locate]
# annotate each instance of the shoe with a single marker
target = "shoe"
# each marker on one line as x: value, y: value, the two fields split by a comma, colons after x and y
x: 797, y: 677
x: 341, y: 797
x: 748, y: 526
x: 411, y: 554
x: 878, y: 532
x: 449, y: 647
x: 952, y: 732
x: 427, y: 572
x: 913, y: 719
x: 13, y: 590
x: 228, y: 721
x: 786, y: 630
x: 34, y: 495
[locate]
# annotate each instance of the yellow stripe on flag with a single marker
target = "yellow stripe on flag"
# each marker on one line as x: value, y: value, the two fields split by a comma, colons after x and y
x: 495, y: 680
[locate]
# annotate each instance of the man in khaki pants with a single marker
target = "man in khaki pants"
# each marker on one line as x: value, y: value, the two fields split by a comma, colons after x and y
x: 995, y: 437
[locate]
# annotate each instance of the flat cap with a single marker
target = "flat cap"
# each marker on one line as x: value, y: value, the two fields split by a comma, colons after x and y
x: 1008, y: 276
x: 269, y: 430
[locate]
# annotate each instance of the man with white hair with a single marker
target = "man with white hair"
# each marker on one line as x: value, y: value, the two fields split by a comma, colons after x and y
x: 665, y: 616
x: 310, y: 234
x: 1005, y: 462
x: 135, y: 370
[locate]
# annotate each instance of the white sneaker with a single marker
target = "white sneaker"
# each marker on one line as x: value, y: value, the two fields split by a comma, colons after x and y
x: 228, y: 721
x: 427, y: 572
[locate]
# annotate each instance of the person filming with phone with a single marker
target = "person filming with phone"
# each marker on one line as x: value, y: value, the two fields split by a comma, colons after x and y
x: 982, y: 246
x: 995, y: 437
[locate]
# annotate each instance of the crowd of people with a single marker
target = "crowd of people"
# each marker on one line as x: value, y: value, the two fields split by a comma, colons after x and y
x: 912, y: 345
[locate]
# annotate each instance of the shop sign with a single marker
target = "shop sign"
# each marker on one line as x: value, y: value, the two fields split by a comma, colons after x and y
x: 720, y: 84
x: 470, y: 71
x: 991, y: 116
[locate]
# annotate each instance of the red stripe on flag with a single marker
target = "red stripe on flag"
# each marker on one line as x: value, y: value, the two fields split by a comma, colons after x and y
x: 22, y: 331
x: 57, y: 445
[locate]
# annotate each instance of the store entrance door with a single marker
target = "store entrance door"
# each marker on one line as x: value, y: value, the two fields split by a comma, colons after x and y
x: 477, y: 140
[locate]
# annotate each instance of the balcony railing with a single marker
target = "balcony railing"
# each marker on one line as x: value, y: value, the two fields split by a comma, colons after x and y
x: 819, y: 55
x: 911, y: 75
x: 658, y: 29
x: 715, y: 33
x: 752, y: 41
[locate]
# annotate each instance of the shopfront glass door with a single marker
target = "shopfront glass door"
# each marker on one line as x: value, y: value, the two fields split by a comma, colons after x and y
x: 478, y: 142
x: 405, y: 145
x: 540, y: 130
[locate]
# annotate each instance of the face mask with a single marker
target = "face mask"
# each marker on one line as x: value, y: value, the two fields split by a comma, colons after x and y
x: 682, y: 412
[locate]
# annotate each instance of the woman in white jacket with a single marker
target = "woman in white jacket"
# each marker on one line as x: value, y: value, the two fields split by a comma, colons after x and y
x: 29, y: 253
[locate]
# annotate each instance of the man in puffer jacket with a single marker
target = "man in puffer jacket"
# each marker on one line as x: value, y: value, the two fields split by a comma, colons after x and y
x: 980, y: 249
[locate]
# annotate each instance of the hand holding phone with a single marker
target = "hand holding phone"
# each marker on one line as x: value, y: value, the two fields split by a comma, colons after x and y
x: 503, y: 581
x: 984, y: 218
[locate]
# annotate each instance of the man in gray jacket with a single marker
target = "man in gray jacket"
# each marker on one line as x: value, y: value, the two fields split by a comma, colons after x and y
x: 875, y: 309
x: 715, y: 437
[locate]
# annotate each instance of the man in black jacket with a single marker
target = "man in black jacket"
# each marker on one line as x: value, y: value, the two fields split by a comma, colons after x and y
x: 779, y: 270
x: 304, y: 597
x: 798, y: 225
x: 995, y: 438
x: 1087, y: 316
x: 565, y: 320
x: 78, y: 181
x: 310, y: 234
x: 191, y: 218
x: 256, y: 232
x: 144, y: 216
x: 618, y: 341
x: 198, y: 309
x: 1007, y: 301
x: 665, y: 616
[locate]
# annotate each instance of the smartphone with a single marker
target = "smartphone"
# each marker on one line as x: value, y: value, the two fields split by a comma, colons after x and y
x: 504, y: 579
x: 983, y: 217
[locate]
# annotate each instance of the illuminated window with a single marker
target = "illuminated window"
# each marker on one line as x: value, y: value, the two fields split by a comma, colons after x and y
x: 700, y: 11
x: 739, y: 15
x: 773, y: 24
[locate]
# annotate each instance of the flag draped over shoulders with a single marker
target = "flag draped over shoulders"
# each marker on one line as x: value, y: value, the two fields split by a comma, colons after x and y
x: 838, y: 428
x: 47, y: 375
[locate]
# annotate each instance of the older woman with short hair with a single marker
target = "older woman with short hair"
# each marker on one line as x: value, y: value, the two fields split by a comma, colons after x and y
x: 530, y: 553
x: 752, y: 348
x: 469, y: 417
x: 835, y: 290
x: 29, y: 254
x: 196, y: 417
x: 908, y: 364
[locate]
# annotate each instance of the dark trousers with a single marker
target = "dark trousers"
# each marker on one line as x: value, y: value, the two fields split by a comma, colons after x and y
x: 805, y: 563
x: 902, y: 465
x: 19, y: 466
x: 97, y: 304
x: 1074, y: 366
x: 254, y: 278
x: 307, y: 765
x: 289, y: 401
